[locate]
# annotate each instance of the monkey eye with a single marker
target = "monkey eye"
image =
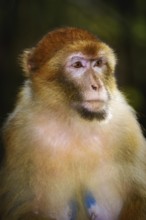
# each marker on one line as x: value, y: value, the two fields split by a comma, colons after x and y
x: 77, y: 64
x: 100, y: 62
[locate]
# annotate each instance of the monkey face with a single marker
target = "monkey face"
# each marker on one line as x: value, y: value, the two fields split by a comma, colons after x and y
x: 88, y: 74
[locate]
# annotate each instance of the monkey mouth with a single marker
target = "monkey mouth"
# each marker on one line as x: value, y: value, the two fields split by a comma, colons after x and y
x: 93, y: 105
x: 92, y: 109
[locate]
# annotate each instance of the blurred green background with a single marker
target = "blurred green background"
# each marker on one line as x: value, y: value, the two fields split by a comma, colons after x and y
x: 120, y: 23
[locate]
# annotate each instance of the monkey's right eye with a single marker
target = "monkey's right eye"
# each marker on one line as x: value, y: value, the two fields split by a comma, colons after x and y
x: 77, y: 64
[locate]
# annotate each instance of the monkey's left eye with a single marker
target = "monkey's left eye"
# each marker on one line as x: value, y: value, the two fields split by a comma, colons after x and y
x: 77, y: 64
x: 100, y: 62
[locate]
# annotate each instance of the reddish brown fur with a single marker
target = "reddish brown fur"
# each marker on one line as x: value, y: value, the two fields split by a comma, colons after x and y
x: 55, y: 41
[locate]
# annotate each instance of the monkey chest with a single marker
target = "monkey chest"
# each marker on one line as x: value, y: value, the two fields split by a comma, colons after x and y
x: 80, y: 178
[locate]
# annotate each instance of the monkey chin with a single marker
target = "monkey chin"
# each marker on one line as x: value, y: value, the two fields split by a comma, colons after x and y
x: 92, y: 110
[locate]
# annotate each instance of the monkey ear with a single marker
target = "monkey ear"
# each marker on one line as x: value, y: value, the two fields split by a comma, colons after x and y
x: 26, y: 62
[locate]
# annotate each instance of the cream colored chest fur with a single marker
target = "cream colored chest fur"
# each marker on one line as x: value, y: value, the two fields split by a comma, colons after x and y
x: 75, y: 164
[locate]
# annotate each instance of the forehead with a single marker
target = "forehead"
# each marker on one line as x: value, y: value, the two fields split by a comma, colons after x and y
x: 81, y: 55
x: 88, y: 48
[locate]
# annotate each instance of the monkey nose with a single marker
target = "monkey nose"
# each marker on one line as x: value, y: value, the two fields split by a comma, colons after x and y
x: 94, y: 87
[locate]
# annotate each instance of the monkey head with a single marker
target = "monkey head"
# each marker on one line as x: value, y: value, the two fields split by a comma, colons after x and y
x: 73, y: 66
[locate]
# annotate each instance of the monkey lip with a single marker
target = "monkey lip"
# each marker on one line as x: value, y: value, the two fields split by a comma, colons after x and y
x: 93, y: 105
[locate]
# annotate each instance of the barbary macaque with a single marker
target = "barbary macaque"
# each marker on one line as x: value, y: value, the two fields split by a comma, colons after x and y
x: 74, y: 149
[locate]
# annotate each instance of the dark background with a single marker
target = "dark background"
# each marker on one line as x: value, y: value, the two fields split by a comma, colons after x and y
x: 121, y: 24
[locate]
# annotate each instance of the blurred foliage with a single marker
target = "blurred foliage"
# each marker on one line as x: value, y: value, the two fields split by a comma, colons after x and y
x: 121, y: 24
x: 133, y: 96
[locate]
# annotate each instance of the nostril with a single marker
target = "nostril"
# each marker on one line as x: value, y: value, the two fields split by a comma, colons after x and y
x: 94, y: 87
